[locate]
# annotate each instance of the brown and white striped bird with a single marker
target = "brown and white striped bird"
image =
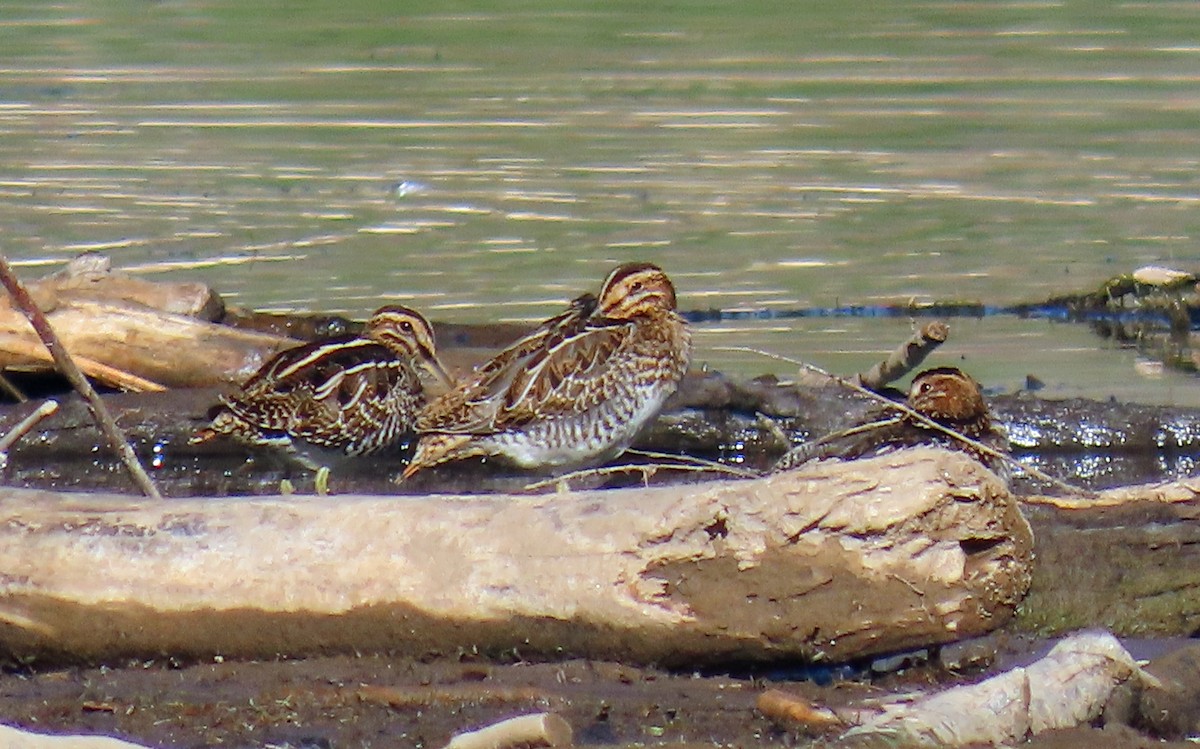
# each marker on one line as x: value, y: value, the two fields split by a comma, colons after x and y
x: 575, y: 391
x: 340, y: 397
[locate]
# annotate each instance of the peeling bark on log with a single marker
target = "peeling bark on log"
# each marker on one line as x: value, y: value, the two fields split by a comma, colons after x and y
x: 831, y: 561
x: 1068, y: 687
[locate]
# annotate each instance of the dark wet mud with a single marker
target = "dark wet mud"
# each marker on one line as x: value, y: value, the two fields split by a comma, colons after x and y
x: 745, y: 425
x: 385, y: 701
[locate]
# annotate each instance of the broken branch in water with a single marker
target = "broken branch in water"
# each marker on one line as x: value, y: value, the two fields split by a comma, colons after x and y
x: 921, y: 419
x: 907, y: 357
x: 62, y: 360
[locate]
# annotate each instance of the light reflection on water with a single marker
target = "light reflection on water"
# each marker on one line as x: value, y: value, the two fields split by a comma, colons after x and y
x: 777, y: 161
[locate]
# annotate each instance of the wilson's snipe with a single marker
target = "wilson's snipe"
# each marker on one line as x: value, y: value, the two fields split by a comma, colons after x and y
x: 339, y: 397
x: 946, y: 395
x: 576, y: 390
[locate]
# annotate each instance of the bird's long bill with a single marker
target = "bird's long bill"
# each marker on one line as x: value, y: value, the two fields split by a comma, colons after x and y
x: 443, y: 379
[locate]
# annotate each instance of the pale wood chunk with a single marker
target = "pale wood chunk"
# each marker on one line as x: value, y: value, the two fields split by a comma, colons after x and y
x: 828, y: 562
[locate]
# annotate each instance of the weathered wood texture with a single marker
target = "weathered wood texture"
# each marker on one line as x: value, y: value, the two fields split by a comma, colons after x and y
x: 118, y: 325
x: 168, y: 349
x: 831, y: 561
x: 1066, y: 688
x: 15, y: 738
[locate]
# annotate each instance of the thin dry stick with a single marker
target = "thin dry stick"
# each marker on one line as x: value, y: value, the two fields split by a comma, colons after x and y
x: 62, y: 359
x: 692, y: 461
x: 907, y: 357
x: 686, y: 464
x: 7, y: 386
x: 804, y: 452
x: 921, y: 418
x: 646, y: 470
x: 24, y: 425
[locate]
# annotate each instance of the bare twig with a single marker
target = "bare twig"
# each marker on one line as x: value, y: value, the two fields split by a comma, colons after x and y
x: 690, y: 461
x: 7, y: 386
x: 647, y: 470
x: 920, y: 418
x: 907, y: 357
x: 686, y: 464
x: 806, y: 451
x: 24, y: 425
x: 526, y: 731
x: 62, y: 359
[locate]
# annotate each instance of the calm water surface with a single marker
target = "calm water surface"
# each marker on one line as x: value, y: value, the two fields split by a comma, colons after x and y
x: 491, y: 160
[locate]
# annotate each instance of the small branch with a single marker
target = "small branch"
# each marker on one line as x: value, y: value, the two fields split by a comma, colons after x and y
x: 7, y: 386
x: 922, y: 419
x: 804, y: 452
x: 907, y: 357
x: 687, y: 464
x: 526, y: 732
x: 691, y: 461
x: 62, y: 359
x: 24, y: 425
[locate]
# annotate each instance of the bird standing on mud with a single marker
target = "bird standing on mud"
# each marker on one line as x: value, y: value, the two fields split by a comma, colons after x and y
x: 575, y: 391
x: 347, y: 396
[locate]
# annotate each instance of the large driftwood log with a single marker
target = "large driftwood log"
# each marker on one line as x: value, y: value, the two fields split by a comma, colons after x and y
x: 832, y: 561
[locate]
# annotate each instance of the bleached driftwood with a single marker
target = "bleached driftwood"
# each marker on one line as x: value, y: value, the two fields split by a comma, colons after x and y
x: 168, y: 349
x: 131, y: 333
x: 523, y: 732
x: 831, y: 561
x: 1067, y: 688
x: 90, y: 277
x: 15, y: 738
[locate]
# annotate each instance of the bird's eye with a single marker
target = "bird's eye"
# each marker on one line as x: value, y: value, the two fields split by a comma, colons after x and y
x: 406, y: 326
x: 926, y: 387
x: 637, y: 286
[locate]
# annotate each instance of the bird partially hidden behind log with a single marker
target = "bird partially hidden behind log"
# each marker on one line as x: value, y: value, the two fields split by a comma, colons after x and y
x: 945, y: 395
x: 575, y: 391
x: 347, y: 396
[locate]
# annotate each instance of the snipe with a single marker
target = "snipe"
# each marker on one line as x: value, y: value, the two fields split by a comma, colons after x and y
x: 340, y: 397
x: 576, y: 390
x: 946, y: 395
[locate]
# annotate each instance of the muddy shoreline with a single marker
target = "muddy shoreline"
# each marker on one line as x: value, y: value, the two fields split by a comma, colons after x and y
x: 381, y: 699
